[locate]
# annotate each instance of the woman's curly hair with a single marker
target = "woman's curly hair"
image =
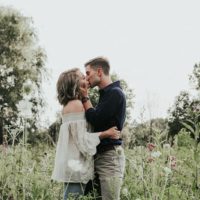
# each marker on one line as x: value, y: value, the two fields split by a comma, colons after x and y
x: 68, y: 86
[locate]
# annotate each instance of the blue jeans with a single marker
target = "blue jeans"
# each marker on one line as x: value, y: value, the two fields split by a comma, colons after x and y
x: 73, y: 189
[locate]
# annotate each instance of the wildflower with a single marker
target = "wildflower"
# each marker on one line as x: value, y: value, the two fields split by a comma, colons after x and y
x: 7, y: 111
x: 172, y: 158
x: 151, y: 146
x: 150, y: 159
x: 161, y: 174
x: 75, y: 165
x: 166, y: 146
x: 156, y: 154
x: 167, y: 170
x: 11, y: 80
x: 28, y: 83
x: 198, y: 108
x: 24, y: 107
x: 172, y: 161
x: 125, y: 191
x: 3, y: 70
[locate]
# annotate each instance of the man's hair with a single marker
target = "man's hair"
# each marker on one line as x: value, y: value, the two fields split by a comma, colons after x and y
x: 68, y: 86
x: 99, y: 62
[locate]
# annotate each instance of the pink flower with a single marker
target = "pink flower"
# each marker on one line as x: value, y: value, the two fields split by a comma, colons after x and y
x: 172, y: 161
x: 151, y: 146
x: 150, y: 159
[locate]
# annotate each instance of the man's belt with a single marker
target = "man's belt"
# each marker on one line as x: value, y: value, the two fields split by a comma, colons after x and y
x: 105, y: 148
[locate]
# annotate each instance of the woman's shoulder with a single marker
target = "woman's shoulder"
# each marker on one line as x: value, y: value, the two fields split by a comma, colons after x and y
x: 73, y: 107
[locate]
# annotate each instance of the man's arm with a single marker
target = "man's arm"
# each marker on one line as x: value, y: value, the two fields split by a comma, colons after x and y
x: 85, y: 99
x: 106, y: 110
x: 86, y: 103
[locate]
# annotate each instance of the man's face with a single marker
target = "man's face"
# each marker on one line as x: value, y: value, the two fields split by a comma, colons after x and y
x: 92, y: 76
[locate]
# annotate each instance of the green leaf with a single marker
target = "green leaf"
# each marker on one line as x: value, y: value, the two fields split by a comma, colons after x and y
x: 188, y: 127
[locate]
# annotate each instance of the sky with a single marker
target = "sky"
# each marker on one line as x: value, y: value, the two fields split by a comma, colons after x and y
x: 152, y: 45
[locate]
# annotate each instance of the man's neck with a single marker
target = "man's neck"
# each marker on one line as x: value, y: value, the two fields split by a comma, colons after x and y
x: 105, y: 82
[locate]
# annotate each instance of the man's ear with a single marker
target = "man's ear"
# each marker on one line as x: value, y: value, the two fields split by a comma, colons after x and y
x: 99, y: 71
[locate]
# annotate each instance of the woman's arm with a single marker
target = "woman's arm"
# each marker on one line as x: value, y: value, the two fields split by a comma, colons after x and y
x: 87, y: 142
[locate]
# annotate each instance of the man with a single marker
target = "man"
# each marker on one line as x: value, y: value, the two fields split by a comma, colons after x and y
x: 109, y: 112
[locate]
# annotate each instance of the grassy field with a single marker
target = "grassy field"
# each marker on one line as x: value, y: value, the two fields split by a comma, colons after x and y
x: 154, y: 172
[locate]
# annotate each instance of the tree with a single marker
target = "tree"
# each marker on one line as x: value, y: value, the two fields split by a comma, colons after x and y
x: 184, y: 109
x: 195, y: 77
x: 129, y: 96
x: 146, y: 131
x: 21, y: 67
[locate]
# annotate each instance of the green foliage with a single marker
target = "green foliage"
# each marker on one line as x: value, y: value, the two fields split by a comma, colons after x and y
x: 21, y: 66
x: 128, y: 94
x: 144, y: 132
x: 163, y: 172
x: 157, y: 171
x: 195, y: 77
x: 194, y: 128
x: 183, y: 110
x: 184, y: 139
x: 53, y: 130
x: 94, y: 95
x: 25, y: 173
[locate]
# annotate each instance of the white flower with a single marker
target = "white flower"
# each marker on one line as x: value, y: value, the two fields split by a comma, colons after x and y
x: 11, y: 80
x: 75, y: 165
x: 28, y: 83
x: 156, y: 154
x: 4, y: 70
x: 7, y: 111
x: 24, y: 107
x: 125, y: 191
x: 167, y: 170
x: 166, y: 146
x: 8, y: 70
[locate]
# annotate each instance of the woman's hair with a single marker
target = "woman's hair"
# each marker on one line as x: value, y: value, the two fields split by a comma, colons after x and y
x: 68, y: 86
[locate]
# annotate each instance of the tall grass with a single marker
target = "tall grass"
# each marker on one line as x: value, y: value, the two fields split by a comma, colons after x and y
x: 155, y: 172
x: 25, y: 173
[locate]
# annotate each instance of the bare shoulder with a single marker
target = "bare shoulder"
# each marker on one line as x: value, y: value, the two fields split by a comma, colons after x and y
x: 73, y: 106
x: 76, y: 104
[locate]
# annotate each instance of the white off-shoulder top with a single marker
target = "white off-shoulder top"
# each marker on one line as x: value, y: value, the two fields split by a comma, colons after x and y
x: 75, y: 149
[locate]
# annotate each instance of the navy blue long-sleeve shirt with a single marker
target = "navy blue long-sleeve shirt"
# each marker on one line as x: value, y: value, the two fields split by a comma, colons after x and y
x: 110, y: 111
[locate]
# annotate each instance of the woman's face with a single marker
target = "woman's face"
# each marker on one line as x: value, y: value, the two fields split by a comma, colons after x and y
x: 83, y: 82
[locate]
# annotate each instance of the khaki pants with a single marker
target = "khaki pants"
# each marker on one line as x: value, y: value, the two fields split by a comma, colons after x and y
x: 110, y: 166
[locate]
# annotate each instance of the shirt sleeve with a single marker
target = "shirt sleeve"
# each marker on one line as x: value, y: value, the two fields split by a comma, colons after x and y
x: 105, y: 110
x: 61, y: 159
x: 86, y: 142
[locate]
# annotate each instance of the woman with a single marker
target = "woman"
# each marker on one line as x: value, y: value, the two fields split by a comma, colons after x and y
x: 76, y: 147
